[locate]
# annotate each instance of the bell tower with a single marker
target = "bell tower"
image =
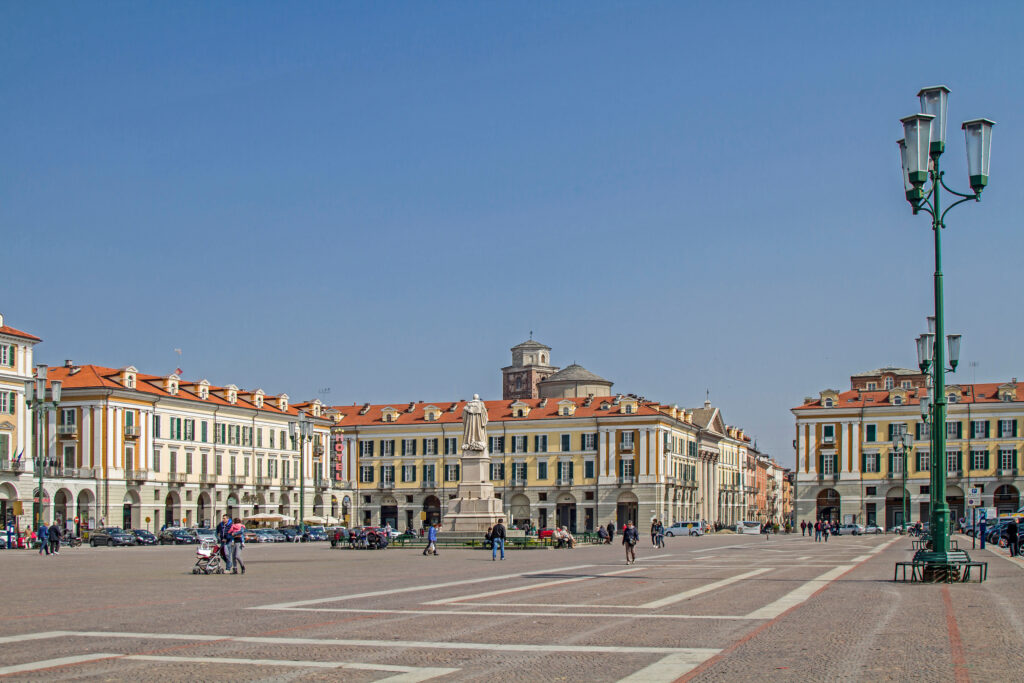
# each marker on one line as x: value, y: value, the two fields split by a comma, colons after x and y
x: 531, y: 363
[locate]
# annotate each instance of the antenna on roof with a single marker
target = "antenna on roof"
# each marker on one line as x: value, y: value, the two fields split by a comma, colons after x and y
x: 531, y: 334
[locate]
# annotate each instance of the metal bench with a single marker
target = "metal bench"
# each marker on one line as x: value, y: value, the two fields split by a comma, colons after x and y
x: 982, y: 568
x: 915, y: 571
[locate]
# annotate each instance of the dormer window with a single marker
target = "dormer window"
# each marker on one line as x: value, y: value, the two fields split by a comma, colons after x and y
x: 171, y: 385
x: 888, y: 383
x: 897, y: 400
x: 520, y: 409
x: 431, y: 413
x: 231, y: 393
x: 317, y: 408
x: 951, y: 398
x: 906, y: 384
x: 282, y: 403
x: 627, y: 406
x: 128, y: 377
x: 204, y: 389
x: 389, y: 414
x: 566, y: 408
x: 872, y: 386
x: 828, y: 403
x: 257, y: 398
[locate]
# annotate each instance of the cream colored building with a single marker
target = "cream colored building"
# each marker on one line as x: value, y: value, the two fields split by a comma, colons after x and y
x: 848, y: 469
x: 15, y: 420
x: 137, y: 450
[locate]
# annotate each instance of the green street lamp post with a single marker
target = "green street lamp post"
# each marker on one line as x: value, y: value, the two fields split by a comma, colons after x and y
x: 901, y: 443
x: 303, y: 434
x: 35, y: 399
x: 922, y: 146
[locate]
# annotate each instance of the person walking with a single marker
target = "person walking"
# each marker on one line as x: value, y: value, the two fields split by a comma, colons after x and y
x: 824, y: 531
x: 1012, y: 532
x: 42, y: 534
x: 660, y: 536
x: 803, y: 527
x: 54, y: 535
x: 236, y: 536
x: 611, y: 531
x: 630, y: 537
x: 431, y: 548
x: 654, y: 533
x: 498, y: 540
x: 222, y: 539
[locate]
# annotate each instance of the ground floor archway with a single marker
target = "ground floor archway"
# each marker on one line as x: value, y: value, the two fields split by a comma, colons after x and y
x: 432, y: 510
x: 389, y: 511
x: 626, y: 508
x: 62, y: 505
x: 894, y: 507
x: 519, y: 509
x: 1006, y: 498
x: 565, y: 512
x: 172, y: 509
x: 955, y: 502
x: 204, y: 509
x: 84, y: 510
x: 131, y: 510
x: 318, y: 505
x: 827, y: 508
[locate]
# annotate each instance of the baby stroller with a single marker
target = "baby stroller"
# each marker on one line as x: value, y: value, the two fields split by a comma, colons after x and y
x: 208, y: 559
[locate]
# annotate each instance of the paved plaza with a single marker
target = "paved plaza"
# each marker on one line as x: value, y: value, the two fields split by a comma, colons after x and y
x: 718, y: 608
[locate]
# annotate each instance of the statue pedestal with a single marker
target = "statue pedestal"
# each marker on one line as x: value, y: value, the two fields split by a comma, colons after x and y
x: 474, y: 507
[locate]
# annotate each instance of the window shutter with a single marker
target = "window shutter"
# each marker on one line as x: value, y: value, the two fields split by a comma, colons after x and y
x: 863, y: 462
x: 403, y: 446
x: 891, y: 426
x: 891, y: 468
x: 1015, y: 428
x: 959, y: 430
x: 986, y: 460
x: 457, y: 478
x: 571, y: 466
x: 620, y: 468
x: 917, y: 431
x: 987, y: 424
x: 1015, y: 458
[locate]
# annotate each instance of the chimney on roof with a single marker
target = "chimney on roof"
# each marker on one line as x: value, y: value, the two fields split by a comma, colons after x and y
x: 808, y: 399
x: 365, y: 409
x: 707, y: 403
x: 68, y: 363
x: 411, y: 405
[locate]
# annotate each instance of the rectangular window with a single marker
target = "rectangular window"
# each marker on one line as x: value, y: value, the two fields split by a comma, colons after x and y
x: 542, y: 469
x: 219, y: 461
x: 870, y: 433
x: 497, y: 471
x: 451, y: 445
x: 627, y: 441
x: 952, y: 461
x: 429, y: 447
x: 69, y: 456
x: 871, y: 462
x: 387, y: 448
x: 897, y: 463
x: 953, y: 430
x: 451, y: 472
x: 588, y: 469
x: 366, y: 449
x: 923, y: 461
x: 828, y: 433
x: 156, y: 461
x: 156, y: 426
x: 589, y: 442
x: 566, y: 443
x: 827, y: 464
x: 518, y: 444
x: 387, y: 474
x: 68, y: 416
x: 270, y: 438
x: 231, y: 466
x: 246, y: 467
x: 1007, y: 458
x: 188, y: 463
x: 190, y: 430
x: 174, y: 462
x: 259, y: 467
x: 1007, y: 428
x: 626, y: 468
x: 428, y: 474
x: 408, y: 446
x: 979, y: 460
x: 565, y: 471
x: 540, y: 443
x: 7, y: 356
x: 204, y: 467
x: 408, y: 473
x: 519, y: 471
x: 259, y: 437
x: 202, y: 430
x: 366, y: 474
x: 979, y: 429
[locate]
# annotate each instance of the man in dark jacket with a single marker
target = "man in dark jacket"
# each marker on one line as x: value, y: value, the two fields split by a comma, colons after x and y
x: 498, y: 540
x: 1012, y: 537
x: 222, y: 540
x: 630, y: 537
x: 42, y: 534
x: 54, y: 536
x: 611, y: 531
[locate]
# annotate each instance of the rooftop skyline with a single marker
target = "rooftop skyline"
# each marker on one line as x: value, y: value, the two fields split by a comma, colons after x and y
x: 382, y: 200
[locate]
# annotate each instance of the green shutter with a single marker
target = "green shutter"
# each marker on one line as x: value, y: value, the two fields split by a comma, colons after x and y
x: 891, y: 429
x: 863, y: 462
x: 571, y: 469
x: 1014, y: 458
x: 959, y: 430
x: 1015, y: 428
x: 987, y: 425
x: 917, y: 431
x: 960, y: 460
x: 986, y: 459
x: 891, y: 468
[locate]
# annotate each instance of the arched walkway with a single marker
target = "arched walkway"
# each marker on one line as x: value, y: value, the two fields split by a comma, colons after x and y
x: 40, y: 507
x: 432, y: 508
x: 1006, y: 499
x: 318, y: 505
x: 204, y: 509
x: 894, y: 507
x: 519, y: 508
x: 389, y: 511
x: 828, y: 505
x: 346, y: 510
x: 565, y: 511
x: 334, y: 506
x: 8, y: 494
x: 85, y: 510
x: 172, y: 509
x: 232, y: 506
x: 63, y: 503
x: 131, y: 510
x: 626, y: 508
x: 955, y: 501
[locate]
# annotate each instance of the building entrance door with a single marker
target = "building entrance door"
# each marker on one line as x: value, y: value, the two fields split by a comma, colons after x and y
x: 389, y: 515
x: 566, y: 514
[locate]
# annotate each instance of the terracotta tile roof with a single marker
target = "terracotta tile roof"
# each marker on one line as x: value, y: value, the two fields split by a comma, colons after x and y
x: 99, y: 377
x: 969, y: 393
x: 11, y: 332
x: 497, y: 411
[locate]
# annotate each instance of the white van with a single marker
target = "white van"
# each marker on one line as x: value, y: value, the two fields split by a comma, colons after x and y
x: 748, y: 527
x: 685, y: 529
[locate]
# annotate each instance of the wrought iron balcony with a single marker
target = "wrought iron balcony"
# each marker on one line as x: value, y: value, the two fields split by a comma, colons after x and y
x: 626, y: 480
x: 176, y: 477
x: 137, y: 475
x: 131, y: 431
x: 68, y: 429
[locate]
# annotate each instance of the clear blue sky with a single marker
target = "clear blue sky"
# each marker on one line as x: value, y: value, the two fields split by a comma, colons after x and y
x: 382, y: 198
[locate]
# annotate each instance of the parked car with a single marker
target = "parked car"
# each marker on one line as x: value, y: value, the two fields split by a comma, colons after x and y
x: 546, y: 532
x: 872, y: 529
x: 338, y: 535
x: 685, y: 529
x: 276, y: 535
x: 175, y: 536
x: 204, y: 535
x: 850, y: 530
x: 316, y: 533
x: 143, y: 537
x: 110, y: 536
x: 290, y: 532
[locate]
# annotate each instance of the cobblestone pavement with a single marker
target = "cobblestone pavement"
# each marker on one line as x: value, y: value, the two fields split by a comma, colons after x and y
x: 718, y: 608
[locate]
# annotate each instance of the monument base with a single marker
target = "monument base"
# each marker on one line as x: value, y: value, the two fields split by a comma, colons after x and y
x: 474, y: 508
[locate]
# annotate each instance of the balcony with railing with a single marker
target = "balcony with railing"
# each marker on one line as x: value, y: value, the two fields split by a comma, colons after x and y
x: 322, y: 483
x: 288, y: 482
x: 207, y: 478
x: 176, y: 477
x: 626, y: 480
x: 387, y: 484
x: 563, y: 482
x: 263, y: 481
x: 136, y: 475
x: 518, y: 483
x: 236, y: 479
x: 12, y: 465
x: 1010, y: 472
x: 428, y: 484
x: 67, y: 429
x: 132, y: 431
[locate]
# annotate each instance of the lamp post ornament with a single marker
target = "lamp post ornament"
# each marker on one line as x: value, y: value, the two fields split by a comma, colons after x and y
x: 35, y: 398
x: 923, y: 144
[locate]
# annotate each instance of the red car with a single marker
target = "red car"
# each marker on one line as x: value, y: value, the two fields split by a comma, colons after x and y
x: 545, y: 533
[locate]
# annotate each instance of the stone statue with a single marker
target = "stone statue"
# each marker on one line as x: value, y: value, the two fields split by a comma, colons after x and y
x: 474, y: 429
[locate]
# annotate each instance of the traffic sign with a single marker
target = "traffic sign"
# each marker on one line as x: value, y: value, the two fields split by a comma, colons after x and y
x: 973, y: 502
x: 974, y: 492
x: 76, y: 520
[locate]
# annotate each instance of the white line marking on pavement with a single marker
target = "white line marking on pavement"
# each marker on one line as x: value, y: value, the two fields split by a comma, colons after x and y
x: 679, y: 597
x: 516, y: 589
x: 720, y: 547
x: 414, y: 644
x: 411, y: 673
x: 488, y: 613
x: 805, y: 557
x: 428, y: 587
x: 667, y: 669
x: 49, y: 663
x: 799, y: 595
x: 42, y: 635
x: 861, y: 558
